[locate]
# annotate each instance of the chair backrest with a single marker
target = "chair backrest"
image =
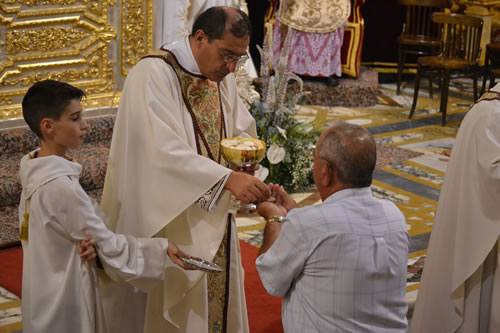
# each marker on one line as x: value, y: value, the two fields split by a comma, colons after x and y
x: 462, y: 36
x: 418, y: 20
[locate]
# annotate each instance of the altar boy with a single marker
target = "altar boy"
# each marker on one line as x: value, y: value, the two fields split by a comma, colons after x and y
x: 60, y: 292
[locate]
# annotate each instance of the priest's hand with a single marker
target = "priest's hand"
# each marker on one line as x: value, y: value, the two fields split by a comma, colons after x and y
x: 86, y: 249
x: 249, y: 169
x: 175, y: 254
x: 247, y: 188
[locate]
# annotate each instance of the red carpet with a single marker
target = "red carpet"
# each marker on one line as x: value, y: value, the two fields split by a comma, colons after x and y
x: 264, y: 311
x: 11, y: 269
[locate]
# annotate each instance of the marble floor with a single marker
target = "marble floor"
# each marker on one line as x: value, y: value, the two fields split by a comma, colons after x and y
x: 10, y: 312
x: 410, y: 170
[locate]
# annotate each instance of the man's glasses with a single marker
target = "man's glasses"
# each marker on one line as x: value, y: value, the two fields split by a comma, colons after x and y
x: 228, y: 58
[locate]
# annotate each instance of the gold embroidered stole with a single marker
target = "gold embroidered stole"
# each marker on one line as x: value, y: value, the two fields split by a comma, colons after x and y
x: 488, y: 96
x: 314, y: 16
x: 202, y: 99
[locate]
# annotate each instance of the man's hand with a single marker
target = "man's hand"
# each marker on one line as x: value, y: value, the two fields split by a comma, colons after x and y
x: 175, y: 254
x: 267, y: 209
x: 247, y: 188
x: 281, y: 204
x: 282, y: 198
x: 86, y: 249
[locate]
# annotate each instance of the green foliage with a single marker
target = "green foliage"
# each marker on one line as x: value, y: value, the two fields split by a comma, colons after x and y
x: 281, y: 131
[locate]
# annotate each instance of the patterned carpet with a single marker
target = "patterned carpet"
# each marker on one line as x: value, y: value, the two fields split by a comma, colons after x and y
x: 412, y: 159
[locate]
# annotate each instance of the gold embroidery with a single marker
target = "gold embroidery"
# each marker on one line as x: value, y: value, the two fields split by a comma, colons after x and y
x: 216, y: 284
x: 23, y: 235
x: 488, y: 96
x: 201, y: 97
x: 314, y: 16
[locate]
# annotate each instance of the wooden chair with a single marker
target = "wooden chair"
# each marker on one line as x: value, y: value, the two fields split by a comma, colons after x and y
x: 459, y: 56
x: 419, y: 35
x: 491, y: 65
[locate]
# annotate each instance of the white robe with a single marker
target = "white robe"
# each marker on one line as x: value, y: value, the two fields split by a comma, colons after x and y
x: 60, y: 293
x: 155, y: 176
x: 465, y: 231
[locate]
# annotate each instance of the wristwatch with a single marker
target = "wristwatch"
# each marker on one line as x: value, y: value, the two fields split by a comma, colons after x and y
x: 275, y: 219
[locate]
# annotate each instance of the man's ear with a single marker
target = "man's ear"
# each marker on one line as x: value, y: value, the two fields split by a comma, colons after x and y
x: 47, y: 126
x: 199, y: 37
x: 327, y: 175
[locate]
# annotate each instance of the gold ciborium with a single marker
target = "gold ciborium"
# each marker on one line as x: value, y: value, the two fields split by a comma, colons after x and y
x: 242, y: 154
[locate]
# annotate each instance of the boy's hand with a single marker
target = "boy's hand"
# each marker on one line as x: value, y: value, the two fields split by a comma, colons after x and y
x: 86, y: 249
x: 175, y: 254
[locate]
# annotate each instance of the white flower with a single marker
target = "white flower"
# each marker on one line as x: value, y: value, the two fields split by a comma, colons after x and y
x: 262, y: 173
x: 275, y: 154
x: 282, y: 131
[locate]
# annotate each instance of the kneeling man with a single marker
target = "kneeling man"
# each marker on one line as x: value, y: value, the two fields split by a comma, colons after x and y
x: 341, y: 264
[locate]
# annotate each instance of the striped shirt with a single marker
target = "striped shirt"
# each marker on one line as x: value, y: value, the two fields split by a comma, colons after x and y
x: 341, y: 265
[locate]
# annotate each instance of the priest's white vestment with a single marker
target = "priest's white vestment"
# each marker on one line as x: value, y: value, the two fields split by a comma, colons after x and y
x: 60, y: 292
x: 460, y: 288
x: 154, y: 178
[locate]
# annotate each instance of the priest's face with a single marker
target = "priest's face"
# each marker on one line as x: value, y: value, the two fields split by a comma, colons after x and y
x: 219, y: 57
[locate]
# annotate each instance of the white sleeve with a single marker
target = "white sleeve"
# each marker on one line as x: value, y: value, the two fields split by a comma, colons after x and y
x: 209, y: 199
x: 139, y: 261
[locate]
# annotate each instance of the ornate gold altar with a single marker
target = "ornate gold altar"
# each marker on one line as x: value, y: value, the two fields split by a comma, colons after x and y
x: 91, y: 44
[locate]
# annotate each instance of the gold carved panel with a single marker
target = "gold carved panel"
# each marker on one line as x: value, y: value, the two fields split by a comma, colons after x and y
x: 136, y: 32
x: 91, y: 44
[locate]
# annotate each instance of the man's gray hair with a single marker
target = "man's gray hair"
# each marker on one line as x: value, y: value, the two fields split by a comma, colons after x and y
x: 351, y: 151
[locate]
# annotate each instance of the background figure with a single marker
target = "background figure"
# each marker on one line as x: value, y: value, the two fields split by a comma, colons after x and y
x: 317, y: 35
x: 341, y: 264
x: 460, y: 287
x: 166, y: 176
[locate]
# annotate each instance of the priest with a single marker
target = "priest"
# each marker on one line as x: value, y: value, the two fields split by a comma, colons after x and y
x: 166, y: 177
x: 460, y: 288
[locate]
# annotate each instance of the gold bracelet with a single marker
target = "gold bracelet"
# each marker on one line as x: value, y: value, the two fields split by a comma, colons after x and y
x: 275, y: 219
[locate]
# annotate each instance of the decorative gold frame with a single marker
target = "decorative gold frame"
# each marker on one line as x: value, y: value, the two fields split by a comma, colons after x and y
x: 72, y: 41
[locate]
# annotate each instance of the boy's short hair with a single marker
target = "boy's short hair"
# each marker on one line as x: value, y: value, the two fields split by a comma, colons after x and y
x: 47, y: 99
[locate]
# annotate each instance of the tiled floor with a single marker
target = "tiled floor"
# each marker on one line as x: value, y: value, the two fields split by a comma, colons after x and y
x: 10, y: 312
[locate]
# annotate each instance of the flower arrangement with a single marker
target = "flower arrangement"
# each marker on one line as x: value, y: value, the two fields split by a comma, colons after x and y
x: 290, y: 142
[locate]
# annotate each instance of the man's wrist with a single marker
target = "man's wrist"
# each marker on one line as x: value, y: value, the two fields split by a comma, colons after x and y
x: 275, y: 218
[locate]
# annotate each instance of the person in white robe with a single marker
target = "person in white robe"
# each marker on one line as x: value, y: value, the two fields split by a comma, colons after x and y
x: 165, y: 169
x: 59, y: 291
x: 460, y: 287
